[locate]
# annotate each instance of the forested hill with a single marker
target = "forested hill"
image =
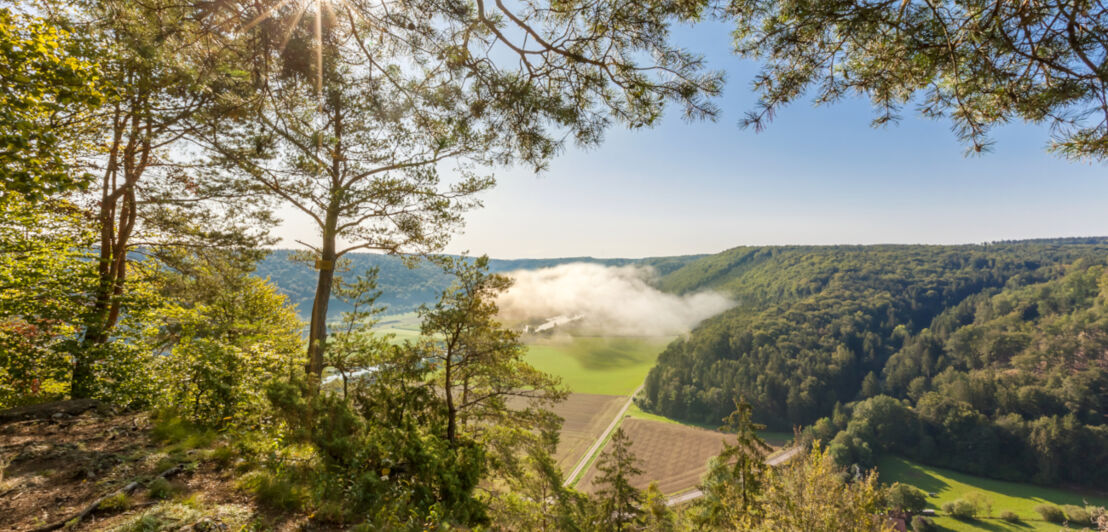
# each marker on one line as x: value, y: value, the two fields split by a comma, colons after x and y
x: 404, y: 289
x: 999, y: 349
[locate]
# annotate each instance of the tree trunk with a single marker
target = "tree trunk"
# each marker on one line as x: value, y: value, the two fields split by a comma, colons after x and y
x: 451, y: 413
x: 317, y: 330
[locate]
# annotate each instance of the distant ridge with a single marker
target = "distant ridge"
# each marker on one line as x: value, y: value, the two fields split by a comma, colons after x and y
x: 405, y: 289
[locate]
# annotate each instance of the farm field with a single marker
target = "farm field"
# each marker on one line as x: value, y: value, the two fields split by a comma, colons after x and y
x: 674, y: 455
x: 776, y: 439
x: 1011, y: 496
x: 586, y: 416
x: 597, y: 365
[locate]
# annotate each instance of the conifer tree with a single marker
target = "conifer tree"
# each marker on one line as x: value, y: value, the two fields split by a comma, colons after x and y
x: 620, y: 502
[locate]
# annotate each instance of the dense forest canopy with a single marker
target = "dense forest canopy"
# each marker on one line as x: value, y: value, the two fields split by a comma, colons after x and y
x: 1006, y: 334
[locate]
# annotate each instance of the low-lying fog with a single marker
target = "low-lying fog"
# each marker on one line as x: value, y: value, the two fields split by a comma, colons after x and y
x: 608, y: 300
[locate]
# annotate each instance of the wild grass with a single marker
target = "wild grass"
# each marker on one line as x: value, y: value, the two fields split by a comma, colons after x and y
x: 1005, y: 499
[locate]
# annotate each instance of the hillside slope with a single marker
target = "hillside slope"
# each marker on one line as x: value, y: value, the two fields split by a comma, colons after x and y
x: 821, y: 327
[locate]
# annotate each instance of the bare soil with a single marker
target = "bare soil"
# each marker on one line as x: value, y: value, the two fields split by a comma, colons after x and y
x: 676, y: 456
x: 586, y: 416
x: 52, y: 469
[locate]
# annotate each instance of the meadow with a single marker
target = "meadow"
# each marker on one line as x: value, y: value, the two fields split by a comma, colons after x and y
x: 597, y: 365
x: 1004, y: 496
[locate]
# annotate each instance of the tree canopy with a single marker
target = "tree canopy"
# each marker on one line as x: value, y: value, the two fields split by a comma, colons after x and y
x: 978, y: 63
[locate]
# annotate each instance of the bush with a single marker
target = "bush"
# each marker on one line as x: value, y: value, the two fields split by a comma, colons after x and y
x: 115, y: 503
x: 274, y: 491
x: 225, y: 350
x: 160, y: 488
x: 1050, y: 513
x: 1010, y: 516
x: 980, y: 503
x: 922, y: 524
x: 905, y: 498
x: 961, y: 509
x: 1076, y: 515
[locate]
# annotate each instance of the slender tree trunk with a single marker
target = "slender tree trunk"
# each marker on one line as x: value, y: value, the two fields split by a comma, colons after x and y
x: 451, y: 413
x: 317, y: 330
x: 117, y: 217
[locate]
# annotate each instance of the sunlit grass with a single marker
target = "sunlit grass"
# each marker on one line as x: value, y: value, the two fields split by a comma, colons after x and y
x: 949, y: 486
x: 598, y: 365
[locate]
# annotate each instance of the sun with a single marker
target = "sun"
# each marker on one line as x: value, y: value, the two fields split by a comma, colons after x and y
x: 317, y: 9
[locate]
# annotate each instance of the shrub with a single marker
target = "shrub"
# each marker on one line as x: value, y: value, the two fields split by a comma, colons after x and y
x: 961, y: 509
x: 1050, y: 513
x: 922, y: 524
x: 114, y: 503
x: 1076, y: 515
x: 980, y: 503
x: 274, y: 491
x: 905, y: 498
x: 1010, y: 516
x: 160, y: 488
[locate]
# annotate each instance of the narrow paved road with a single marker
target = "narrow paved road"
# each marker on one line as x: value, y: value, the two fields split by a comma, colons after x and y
x: 596, y: 445
x: 777, y: 459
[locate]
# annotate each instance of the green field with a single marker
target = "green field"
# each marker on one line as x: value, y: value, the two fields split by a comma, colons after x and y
x: 776, y: 439
x: 600, y: 365
x: 949, y: 486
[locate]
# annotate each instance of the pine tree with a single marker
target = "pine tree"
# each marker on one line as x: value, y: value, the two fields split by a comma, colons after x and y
x: 736, y: 477
x: 620, y: 501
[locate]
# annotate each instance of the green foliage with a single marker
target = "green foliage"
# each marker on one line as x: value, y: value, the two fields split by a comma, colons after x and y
x: 906, y: 499
x: 115, y: 503
x: 657, y: 515
x: 48, y: 86
x: 179, y: 432
x: 810, y: 492
x: 980, y: 353
x: 923, y: 524
x: 160, y: 488
x: 1050, y: 513
x: 491, y: 393
x: 961, y: 509
x: 221, y: 343
x: 620, y: 502
x: 349, y: 345
x: 736, y: 477
x: 1009, y: 516
x: 43, y: 269
x: 1076, y: 515
x: 980, y: 64
x: 538, y: 500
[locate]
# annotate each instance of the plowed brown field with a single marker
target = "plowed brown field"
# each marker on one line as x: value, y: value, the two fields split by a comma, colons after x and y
x: 586, y: 416
x: 676, y: 456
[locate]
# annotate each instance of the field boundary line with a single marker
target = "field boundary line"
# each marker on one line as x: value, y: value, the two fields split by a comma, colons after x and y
x: 773, y: 460
x: 600, y: 441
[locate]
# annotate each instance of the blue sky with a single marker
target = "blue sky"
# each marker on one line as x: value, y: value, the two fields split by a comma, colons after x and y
x: 817, y: 175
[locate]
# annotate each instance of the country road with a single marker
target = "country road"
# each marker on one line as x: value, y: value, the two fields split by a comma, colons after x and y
x: 596, y: 445
x: 774, y: 460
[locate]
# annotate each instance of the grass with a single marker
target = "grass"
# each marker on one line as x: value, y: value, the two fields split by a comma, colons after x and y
x: 776, y: 439
x: 948, y: 486
x: 600, y: 365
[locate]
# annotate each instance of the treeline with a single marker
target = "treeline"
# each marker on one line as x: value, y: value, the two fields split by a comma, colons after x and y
x: 993, y: 348
x: 404, y: 287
